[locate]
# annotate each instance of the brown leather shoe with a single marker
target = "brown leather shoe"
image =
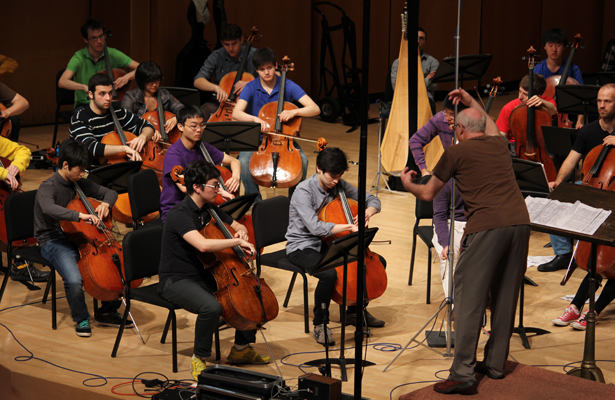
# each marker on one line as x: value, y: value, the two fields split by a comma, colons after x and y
x: 449, y: 386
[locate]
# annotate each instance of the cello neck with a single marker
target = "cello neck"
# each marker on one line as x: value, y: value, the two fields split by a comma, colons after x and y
x: 208, y: 158
x: 118, y: 126
x: 84, y: 199
x: 530, y: 93
x: 345, y: 205
x: 161, y: 119
x: 278, y: 123
x: 573, y: 48
x: 227, y: 234
x: 108, y: 66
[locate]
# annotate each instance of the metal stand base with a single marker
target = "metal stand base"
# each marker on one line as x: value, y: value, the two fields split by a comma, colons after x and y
x: 342, y: 362
x: 438, y: 339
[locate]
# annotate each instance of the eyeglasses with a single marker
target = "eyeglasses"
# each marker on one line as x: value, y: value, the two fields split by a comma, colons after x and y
x: 96, y: 38
x: 449, y: 114
x: 214, y: 187
x: 196, y: 127
x: 458, y: 125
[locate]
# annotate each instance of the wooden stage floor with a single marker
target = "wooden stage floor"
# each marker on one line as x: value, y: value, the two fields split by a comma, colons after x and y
x: 38, y: 362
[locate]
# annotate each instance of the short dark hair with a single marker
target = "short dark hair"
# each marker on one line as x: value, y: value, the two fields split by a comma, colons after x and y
x: 198, y: 173
x: 74, y: 153
x: 422, y: 30
x: 99, y: 79
x: 539, y: 87
x: 448, y: 105
x: 147, y: 71
x: 188, y: 112
x: 332, y: 160
x: 230, y: 32
x: 555, y: 35
x: 91, y: 24
x: 263, y: 56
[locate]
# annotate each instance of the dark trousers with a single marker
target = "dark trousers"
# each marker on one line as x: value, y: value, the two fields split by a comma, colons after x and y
x: 605, y: 298
x: 308, y: 259
x: 491, y: 263
x: 195, y: 296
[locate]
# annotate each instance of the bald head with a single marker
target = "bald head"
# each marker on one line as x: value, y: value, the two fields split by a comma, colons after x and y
x: 472, y: 120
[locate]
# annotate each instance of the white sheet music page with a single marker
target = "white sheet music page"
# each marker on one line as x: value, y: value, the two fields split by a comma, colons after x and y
x: 577, y: 217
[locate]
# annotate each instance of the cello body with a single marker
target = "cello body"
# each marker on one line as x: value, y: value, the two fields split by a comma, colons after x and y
x: 527, y: 148
x: 225, y: 111
x: 375, y: 274
x: 247, y: 302
x: 599, y: 172
x: 118, y: 73
x: 153, y: 153
x: 101, y: 279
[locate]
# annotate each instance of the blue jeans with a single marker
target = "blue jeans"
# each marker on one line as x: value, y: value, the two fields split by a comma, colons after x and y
x: 64, y: 256
x: 246, y: 178
x: 561, y: 245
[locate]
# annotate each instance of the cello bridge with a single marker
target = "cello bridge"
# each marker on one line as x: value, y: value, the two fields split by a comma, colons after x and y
x: 530, y: 154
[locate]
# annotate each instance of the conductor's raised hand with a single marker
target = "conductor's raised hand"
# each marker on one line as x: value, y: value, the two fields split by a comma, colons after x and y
x: 460, y: 96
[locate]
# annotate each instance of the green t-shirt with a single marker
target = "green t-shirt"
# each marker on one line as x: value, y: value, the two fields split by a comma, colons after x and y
x: 84, y: 67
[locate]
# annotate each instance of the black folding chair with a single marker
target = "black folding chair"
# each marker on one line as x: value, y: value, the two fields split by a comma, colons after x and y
x: 144, y: 197
x: 423, y: 210
x: 64, y: 97
x: 270, y: 220
x: 19, y: 219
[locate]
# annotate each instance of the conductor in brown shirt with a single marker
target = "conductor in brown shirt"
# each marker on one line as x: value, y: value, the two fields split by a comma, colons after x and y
x: 494, y: 248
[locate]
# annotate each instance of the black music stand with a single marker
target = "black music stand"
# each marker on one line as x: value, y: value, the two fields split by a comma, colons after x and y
x: 341, y: 252
x: 559, y: 141
x: 187, y: 96
x: 238, y: 206
x: 605, y: 235
x: 471, y: 67
x: 577, y: 99
x: 606, y: 77
x: 233, y: 135
x: 521, y: 330
x: 115, y: 176
x: 531, y: 177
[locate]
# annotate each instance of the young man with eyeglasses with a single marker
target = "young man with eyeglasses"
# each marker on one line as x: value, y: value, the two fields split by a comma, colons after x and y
x: 191, y: 123
x: 440, y: 125
x: 183, y: 279
x: 90, y: 60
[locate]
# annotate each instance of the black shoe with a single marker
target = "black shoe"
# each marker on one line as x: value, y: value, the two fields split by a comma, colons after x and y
x: 559, y: 262
x: 112, y: 319
x: 22, y: 274
x: 371, y: 321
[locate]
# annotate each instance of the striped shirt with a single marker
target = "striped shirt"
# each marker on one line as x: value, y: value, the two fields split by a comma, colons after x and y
x: 436, y: 126
x: 89, y: 128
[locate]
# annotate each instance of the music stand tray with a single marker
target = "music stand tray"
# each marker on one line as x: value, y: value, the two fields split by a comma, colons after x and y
x: 233, y: 135
x: 471, y: 67
x: 187, y: 96
x: 342, y: 252
x: 531, y: 178
x: 577, y: 99
x: 115, y: 176
x: 238, y: 206
x: 559, y: 141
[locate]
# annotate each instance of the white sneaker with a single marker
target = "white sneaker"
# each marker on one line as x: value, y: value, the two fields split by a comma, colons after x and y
x: 319, y: 334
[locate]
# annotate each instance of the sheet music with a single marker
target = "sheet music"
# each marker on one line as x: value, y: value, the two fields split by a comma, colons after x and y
x: 577, y: 217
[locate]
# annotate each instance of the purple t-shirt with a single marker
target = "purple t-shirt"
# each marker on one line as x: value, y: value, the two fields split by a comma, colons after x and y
x: 178, y: 154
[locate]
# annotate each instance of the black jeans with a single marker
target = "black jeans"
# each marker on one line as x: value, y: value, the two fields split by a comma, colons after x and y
x: 195, y: 296
x: 605, y: 298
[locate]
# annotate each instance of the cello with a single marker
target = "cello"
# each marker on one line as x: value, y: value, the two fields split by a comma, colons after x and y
x: 6, y: 126
x: 247, y: 301
x: 599, y: 172
x: 154, y: 152
x: 342, y: 211
x: 493, y: 93
x: 564, y: 79
x: 525, y: 126
x: 277, y: 163
x: 97, y: 249
x: 228, y: 82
